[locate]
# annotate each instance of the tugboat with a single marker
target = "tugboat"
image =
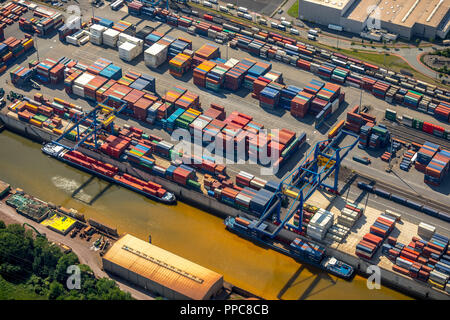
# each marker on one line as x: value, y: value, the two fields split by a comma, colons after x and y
x: 303, y: 251
x: 59, y: 152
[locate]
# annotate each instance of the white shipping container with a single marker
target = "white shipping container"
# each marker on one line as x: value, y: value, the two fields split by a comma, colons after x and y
x: 155, y: 55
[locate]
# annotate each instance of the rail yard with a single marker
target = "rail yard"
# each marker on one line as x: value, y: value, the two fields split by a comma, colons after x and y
x: 330, y: 162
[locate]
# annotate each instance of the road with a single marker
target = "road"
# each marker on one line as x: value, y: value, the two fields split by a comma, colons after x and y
x: 81, y: 249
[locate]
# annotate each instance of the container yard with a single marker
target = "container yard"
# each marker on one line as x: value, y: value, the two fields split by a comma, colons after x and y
x: 288, y: 146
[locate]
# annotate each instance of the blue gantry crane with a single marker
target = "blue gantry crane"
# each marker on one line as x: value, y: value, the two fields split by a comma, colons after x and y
x: 91, y: 123
x: 323, y: 160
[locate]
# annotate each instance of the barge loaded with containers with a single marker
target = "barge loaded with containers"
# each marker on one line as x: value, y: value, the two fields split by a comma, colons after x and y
x: 109, y: 173
x: 304, y: 251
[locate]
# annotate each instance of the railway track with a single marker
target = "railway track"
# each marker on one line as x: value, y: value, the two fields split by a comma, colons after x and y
x: 411, y: 135
x: 402, y: 193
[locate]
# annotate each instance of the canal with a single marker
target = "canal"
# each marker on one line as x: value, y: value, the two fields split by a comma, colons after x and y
x: 182, y: 229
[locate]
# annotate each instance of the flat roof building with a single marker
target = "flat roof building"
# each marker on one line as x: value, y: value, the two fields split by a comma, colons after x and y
x: 160, y: 271
x: 407, y: 18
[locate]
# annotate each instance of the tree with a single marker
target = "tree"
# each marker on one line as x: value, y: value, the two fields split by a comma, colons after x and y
x: 64, y: 262
x: 56, y: 291
x: 2, y: 225
x: 46, y: 257
x: 16, y: 252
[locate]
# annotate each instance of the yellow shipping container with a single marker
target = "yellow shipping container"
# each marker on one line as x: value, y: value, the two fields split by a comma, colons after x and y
x: 36, y: 122
x: 57, y: 131
x: 290, y: 193
x: 32, y: 108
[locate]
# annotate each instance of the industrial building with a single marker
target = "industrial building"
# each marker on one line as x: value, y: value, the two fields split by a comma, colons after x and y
x: 406, y: 18
x: 160, y: 271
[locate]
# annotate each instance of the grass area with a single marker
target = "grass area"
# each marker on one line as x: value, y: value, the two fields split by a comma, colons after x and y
x: 389, y: 61
x: 11, y: 291
x: 293, y: 11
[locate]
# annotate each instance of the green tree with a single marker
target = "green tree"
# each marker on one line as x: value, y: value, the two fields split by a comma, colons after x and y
x: 16, y: 252
x: 2, y: 225
x: 64, y: 262
x: 56, y: 291
x: 46, y: 257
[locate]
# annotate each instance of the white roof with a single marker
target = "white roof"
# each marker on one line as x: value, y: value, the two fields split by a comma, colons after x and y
x: 84, y: 79
x: 156, y: 48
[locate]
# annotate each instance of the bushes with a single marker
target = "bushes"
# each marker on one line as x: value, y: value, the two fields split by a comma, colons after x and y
x: 42, y: 268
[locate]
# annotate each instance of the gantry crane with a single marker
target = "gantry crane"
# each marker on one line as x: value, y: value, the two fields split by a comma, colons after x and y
x: 93, y: 124
x: 323, y: 160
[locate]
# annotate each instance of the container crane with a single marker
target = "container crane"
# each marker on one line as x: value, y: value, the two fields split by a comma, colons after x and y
x: 95, y: 124
x: 303, y: 181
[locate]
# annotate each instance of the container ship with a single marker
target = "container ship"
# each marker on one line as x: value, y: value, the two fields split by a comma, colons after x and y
x: 109, y: 173
x: 301, y: 250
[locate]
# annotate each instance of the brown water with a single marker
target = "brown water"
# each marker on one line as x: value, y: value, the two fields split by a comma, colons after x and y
x: 182, y: 229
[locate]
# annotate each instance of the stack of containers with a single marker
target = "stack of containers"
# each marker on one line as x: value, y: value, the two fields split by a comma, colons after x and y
x: 135, y: 8
x: 178, y: 46
x: 367, y: 247
x: 213, y: 129
x: 163, y: 148
x: 235, y: 76
x: 207, y: 52
x: 412, y: 98
x: 228, y: 195
x: 442, y: 111
x: 319, y: 224
x: 380, y: 89
x: 201, y: 71
x: 182, y: 173
x: 379, y: 231
x: 121, y: 26
x: 155, y: 55
x: 243, y: 179
x: 437, y: 169
x: 326, y: 70
x: 340, y: 74
x: 364, y: 136
x: 153, y: 37
x: 43, y: 70
x: 174, y: 94
x: 110, y: 37
x: 258, y: 85
x: 287, y: 95
x: 187, y: 118
x: 140, y: 108
x: 92, y: 86
x: 96, y: 34
x: 188, y: 100
x: 179, y: 64
x: 199, y: 124
x: 300, y: 104
x: 216, y: 77
x: 81, y: 82
x: 170, y: 124
x: 269, y: 97
x: 261, y: 201
x: 111, y: 72
x: 425, y: 154
x: 244, y: 198
x: 20, y: 75
x: 115, y: 146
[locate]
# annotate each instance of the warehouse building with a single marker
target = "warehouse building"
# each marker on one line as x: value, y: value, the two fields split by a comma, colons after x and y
x: 160, y: 271
x: 406, y: 18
